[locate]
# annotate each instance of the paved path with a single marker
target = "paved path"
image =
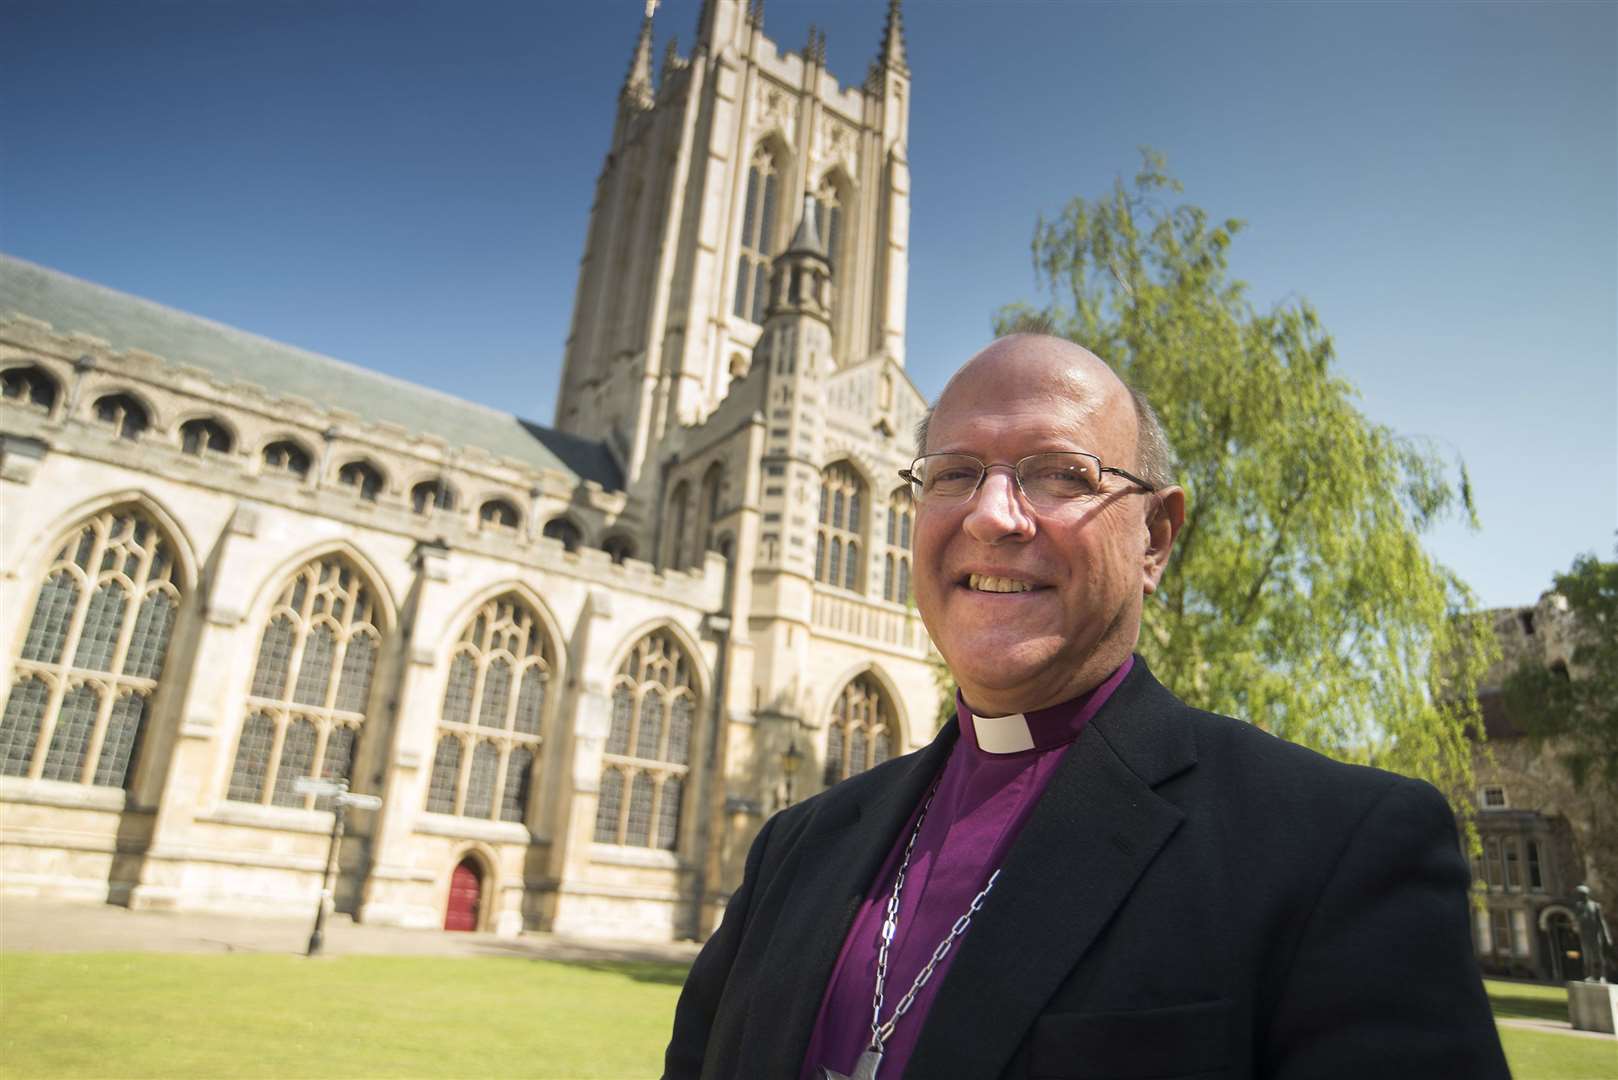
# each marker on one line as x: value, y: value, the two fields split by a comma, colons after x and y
x: 64, y: 926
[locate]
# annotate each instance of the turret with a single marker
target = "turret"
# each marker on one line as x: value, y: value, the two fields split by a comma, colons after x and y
x: 800, y: 277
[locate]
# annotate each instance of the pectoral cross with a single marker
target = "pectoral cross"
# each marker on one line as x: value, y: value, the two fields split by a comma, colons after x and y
x: 864, y: 1068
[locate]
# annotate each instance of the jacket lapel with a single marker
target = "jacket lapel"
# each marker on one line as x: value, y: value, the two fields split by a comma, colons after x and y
x: 1096, y: 829
x: 836, y: 861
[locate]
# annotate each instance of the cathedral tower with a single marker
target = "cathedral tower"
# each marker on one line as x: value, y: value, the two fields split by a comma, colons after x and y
x: 697, y: 196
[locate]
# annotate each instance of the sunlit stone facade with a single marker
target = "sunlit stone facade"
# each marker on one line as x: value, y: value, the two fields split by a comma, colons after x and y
x: 569, y: 661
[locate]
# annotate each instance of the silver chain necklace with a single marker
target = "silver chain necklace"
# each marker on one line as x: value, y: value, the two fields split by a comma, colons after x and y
x: 865, y: 1068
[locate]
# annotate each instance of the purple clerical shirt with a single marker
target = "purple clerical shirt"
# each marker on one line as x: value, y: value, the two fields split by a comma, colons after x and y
x: 994, y: 776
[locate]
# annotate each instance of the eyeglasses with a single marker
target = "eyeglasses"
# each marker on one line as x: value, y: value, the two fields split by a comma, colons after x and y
x: 1048, y: 481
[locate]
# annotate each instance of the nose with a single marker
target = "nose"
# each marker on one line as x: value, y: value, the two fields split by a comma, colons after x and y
x: 998, y: 511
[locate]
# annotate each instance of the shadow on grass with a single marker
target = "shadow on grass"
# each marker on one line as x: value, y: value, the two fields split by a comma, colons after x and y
x: 648, y: 967
x: 1524, y: 1007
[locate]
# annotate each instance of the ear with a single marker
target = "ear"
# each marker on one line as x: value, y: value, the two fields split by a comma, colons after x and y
x: 1164, y: 518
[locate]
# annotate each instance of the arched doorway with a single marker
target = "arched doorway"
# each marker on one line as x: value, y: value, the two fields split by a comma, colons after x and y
x: 465, y: 893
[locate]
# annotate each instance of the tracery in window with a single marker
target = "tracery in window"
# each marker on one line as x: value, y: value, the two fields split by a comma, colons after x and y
x: 830, y: 200
x: 838, y: 540
x: 311, y: 685
x: 363, y: 477
x: 430, y: 495
x: 205, y: 435
x: 861, y: 730
x: 493, y: 712
x: 649, y: 746
x: 29, y: 385
x: 123, y: 414
x: 93, y: 654
x: 758, y: 235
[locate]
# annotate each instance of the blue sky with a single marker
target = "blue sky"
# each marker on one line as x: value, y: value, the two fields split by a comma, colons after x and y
x: 405, y: 185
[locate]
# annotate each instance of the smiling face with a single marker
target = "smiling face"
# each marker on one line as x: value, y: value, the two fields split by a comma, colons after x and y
x: 1030, y: 609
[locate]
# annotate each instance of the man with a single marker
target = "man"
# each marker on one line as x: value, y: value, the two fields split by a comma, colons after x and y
x: 1082, y: 876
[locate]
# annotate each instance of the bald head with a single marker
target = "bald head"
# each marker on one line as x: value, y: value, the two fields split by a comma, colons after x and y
x: 1046, y: 366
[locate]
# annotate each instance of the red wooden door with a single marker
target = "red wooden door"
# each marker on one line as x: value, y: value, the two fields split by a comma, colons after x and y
x: 464, y: 890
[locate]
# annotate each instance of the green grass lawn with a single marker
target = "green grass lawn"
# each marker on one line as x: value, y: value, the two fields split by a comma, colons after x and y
x: 157, y: 1015
x: 161, y: 1015
x: 1537, y: 1055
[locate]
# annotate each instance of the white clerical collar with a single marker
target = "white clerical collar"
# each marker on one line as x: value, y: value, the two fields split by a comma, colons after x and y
x: 1002, y: 734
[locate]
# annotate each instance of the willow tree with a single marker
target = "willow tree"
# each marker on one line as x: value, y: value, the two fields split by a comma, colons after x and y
x: 1299, y: 596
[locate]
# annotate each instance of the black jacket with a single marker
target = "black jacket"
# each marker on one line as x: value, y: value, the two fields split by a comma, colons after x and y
x: 1191, y: 898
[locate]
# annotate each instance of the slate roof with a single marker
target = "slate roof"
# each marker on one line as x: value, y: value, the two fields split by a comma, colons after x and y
x: 72, y: 305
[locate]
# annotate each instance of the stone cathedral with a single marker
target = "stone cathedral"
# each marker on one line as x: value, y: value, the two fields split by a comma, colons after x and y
x: 579, y: 665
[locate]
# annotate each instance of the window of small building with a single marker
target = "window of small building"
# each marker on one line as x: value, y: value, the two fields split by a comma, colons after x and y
x: 1494, y: 798
x: 363, y: 477
x: 1494, y: 870
x: 1500, y: 924
x: 430, y: 495
x: 31, y: 385
x: 285, y: 457
x: 205, y: 435
x: 1536, y: 881
x: 562, y: 529
x: 498, y: 514
x: 123, y: 414
x: 1512, y: 853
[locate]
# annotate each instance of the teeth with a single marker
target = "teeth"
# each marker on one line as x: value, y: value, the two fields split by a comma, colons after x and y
x: 997, y: 584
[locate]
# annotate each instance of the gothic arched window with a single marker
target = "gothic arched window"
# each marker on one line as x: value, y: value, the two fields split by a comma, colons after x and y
x: 311, y: 685
x: 92, y: 655
x: 123, y: 414
x: 205, y: 435
x: 649, y: 746
x: 713, y: 482
x: 896, y: 563
x: 494, y: 708
x: 758, y: 233
x: 861, y: 731
x: 829, y: 203
x: 676, y: 525
x: 30, y: 385
x: 839, y: 539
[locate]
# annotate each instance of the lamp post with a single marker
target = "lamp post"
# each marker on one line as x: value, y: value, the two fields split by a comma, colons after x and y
x: 789, y: 764
x: 341, y: 800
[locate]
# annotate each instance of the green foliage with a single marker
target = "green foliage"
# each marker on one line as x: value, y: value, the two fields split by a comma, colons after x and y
x: 1578, y: 707
x: 172, y: 1016
x: 1299, y: 595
